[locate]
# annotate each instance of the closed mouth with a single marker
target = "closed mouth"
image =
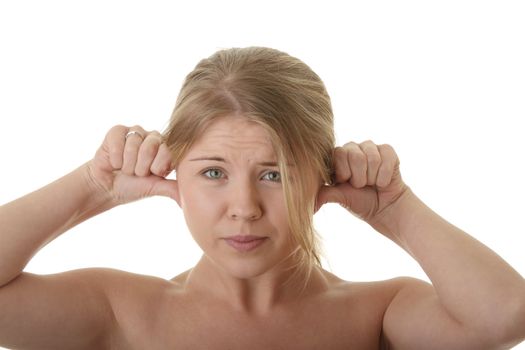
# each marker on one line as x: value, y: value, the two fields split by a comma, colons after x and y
x: 245, y: 243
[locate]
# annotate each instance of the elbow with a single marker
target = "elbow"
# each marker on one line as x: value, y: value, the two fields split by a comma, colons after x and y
x: 509, y: 330
x: 518, y: 331
x: 500, y: 324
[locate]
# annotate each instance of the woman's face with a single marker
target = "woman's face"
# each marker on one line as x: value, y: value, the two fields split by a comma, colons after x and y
x: 232, y: 197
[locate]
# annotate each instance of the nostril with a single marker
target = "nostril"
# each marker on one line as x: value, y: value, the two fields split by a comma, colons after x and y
x: 245, y: 212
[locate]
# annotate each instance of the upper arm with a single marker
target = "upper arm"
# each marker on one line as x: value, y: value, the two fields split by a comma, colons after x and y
x: 415, y: 319
x: 68, y: 310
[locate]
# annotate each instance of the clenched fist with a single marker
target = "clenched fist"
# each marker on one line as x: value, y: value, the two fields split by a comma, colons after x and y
x: 367, y: 180
x: 131, y: 164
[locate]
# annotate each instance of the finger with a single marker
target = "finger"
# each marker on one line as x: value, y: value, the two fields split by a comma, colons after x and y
x: 147, y: 152
x: 373, y: 159
x: 131, y: 149
x: 341, y: 166
x: 388, y: 165
x: 115, y: 145
x: 358, y: 164
x: 162, y: 164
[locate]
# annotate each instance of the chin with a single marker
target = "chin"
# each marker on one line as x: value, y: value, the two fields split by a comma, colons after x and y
x: 249, y: 264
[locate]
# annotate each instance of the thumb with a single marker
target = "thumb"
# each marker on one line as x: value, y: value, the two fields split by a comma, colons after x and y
x: 328, y: 194
x: 166, y: 188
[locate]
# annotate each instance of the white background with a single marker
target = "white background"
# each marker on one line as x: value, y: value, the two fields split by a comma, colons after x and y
x: 443, y: 82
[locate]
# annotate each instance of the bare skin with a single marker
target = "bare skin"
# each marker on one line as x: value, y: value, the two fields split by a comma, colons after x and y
x: 344, y: 316
x: 236, y: 299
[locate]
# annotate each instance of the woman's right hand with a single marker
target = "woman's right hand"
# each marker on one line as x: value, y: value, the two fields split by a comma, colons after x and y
x: 132, y: 164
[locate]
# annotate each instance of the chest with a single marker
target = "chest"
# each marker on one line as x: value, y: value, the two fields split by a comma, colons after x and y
x: 323, y: 325
x: 279, y: 335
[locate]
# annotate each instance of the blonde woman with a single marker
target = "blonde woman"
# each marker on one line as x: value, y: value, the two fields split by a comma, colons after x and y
x: 251, y: 141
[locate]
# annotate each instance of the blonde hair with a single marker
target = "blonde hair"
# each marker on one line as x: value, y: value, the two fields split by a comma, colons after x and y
x: 282, y: 94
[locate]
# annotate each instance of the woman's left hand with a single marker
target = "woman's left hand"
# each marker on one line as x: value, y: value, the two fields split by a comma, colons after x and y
x: 367, y: 180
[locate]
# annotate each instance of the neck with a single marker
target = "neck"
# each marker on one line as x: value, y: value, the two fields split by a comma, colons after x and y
x: 259, y: 294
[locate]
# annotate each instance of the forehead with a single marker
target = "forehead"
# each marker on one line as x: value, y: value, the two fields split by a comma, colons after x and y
x: 234, y: 133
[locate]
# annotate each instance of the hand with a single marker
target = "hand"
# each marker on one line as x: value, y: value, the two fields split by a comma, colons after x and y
x: 128, y: 167
x: 367, y: 180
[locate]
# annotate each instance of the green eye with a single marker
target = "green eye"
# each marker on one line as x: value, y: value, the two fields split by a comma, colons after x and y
x: 274, y: 176
x: 213, y: 173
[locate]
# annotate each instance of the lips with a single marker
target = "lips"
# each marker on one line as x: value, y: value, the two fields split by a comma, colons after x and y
x: 244, y: 243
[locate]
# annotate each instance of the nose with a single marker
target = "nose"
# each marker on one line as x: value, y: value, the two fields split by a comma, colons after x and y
x: 244, y: 203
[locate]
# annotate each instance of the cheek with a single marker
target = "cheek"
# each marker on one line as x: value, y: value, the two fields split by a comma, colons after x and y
x: 276, y: 211
x: 198, y: 206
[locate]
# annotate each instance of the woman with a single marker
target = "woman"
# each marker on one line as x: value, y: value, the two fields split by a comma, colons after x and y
x: 251, y: 142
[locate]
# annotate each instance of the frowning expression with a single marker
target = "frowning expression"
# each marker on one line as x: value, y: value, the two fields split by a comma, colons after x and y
x: 232, y: 197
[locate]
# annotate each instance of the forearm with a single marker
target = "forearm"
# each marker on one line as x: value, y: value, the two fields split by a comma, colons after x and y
x: 30, y: 222
x: 473, y: 283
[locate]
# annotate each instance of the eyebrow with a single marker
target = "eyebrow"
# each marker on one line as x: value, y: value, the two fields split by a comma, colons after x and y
x: 219, y: 159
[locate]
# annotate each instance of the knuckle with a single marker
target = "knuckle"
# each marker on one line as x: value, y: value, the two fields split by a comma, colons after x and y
x: 358, y: 158
x: 368, y: 143
x: 117, y: 128
x: 115, y: 133
x: 160, y: 169
x: 339, y: 152
x: 141, y: 171
x: 374, y: 159
x: 339, y: 157
x: 383, y: 180
x: 149, y: 149
x: 115, y: 152
x: 155, y: 134
x: 128, y: 170
x: 387, y: 147
x: 350, y: 147
x: 358, y: 182
x: 130, y: 152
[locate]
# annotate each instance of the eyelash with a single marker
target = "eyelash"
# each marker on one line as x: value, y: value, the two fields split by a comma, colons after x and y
x: 212, y: 178
x: 205, y: 172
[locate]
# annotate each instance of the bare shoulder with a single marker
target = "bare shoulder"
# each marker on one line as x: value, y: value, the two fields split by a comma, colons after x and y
x: 136, y: 301
x: 382, y: 293
x: 375, y: 297
x: 133, y: 293
x: 78, y: 309
x: 361, y: 300
x: 151, y: 309
x: 357, y: 309
x: 373, y: 290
